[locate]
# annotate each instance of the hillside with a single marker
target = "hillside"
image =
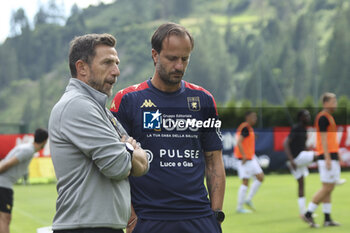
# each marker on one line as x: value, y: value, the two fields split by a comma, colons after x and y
x: 256, y: 50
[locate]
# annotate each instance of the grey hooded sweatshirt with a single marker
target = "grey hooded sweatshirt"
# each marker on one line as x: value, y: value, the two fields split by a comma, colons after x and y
x: 91, y: 164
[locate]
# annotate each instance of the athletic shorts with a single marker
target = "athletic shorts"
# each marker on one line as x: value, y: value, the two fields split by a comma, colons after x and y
x: 6, y: 200
x: 90, y: 230
x: 329, y: 176
x: 303, y: 160
x: 197, y: 225
x: 249, y: 168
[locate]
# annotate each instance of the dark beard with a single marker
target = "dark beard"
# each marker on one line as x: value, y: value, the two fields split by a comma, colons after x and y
x: 166, y: 78
x: 99, y: 87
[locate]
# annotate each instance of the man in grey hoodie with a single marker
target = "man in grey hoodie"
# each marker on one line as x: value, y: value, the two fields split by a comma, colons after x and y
x: 91, y: 152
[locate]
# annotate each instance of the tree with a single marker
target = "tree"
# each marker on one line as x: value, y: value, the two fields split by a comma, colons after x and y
x: 301, y: 33
x: 75, y: 24
x: 52, y: 13
x: 210, y: 64
x: 19, y: 22
x: 41, y: 17
x: 75, y: 10
x: 336, y: 70
x: 8, y: 65
x: 181, y: 8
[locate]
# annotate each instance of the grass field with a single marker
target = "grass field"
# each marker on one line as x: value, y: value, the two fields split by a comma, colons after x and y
x: 276, y: 204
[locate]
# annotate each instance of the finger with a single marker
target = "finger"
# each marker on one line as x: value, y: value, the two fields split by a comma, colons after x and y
x: 123, y: 139
x: 130, y: 139
x: 134, y: 143
x: 138, y: 145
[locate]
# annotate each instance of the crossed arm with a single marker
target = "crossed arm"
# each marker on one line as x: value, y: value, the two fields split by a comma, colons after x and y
x: 139, y: 163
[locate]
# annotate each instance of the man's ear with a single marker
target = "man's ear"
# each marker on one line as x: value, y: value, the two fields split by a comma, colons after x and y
x: 82, y: 69
x: 155, y: 55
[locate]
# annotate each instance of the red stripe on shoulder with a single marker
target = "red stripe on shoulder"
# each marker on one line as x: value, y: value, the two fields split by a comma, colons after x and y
x: 118, y: 97
x: 199, y: 88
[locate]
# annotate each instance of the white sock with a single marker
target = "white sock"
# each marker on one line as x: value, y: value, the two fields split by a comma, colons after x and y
x: 327, y: 208
x: 312, y: 207
x: 241, y: 196
x: 253, y: 189
x: 301, y: 203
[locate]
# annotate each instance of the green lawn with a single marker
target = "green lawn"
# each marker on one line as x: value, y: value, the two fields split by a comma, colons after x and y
x: 277, y: 210
x: 34, y: 207
x: 276, y: 204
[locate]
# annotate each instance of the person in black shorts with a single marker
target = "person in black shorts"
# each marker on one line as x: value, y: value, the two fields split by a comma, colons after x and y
x: 13, y: 167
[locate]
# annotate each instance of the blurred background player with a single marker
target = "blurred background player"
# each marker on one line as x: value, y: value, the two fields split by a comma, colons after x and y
x: 248, y: 165
x: 172, y: 197
x: 328, y: 160
x: 298, y: 156
x: 13, y: 167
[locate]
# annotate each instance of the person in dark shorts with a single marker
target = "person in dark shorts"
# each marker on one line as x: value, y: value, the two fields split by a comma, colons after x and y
x: 299, y: 158
x: 13, y: 167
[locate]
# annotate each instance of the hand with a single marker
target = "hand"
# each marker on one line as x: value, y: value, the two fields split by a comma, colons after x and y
x: 328, y: 164
x: 340, y: 159
x: 293, y: 165
x: 130, y: 140
x: 131, y: 225
x: 132, y: 221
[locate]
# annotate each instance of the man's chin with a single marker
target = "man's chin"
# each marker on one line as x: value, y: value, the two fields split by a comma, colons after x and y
x: 171, y: 80
x: 108, y: 92
x: 175, y: 80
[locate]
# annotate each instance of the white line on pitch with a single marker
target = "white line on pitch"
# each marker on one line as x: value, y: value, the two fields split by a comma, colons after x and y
x: 36, y: 219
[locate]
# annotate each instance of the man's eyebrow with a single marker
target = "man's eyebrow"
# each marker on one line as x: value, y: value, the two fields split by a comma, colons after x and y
x: 108, y: 59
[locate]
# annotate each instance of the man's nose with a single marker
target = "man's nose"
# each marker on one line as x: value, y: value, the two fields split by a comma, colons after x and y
x: 179, y: 65
x: 115, y: 70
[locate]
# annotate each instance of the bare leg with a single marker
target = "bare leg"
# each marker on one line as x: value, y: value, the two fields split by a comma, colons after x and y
x: 324, y: 194
x: 301, y: 187
x: 5, y: 219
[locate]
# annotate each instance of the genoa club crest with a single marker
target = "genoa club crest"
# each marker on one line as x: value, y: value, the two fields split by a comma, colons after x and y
x: 194, y: 103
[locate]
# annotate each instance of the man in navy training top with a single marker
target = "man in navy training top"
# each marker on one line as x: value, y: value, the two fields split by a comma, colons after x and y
x: 177, y: 123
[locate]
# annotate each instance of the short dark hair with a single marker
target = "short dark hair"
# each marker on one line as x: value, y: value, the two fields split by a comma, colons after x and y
x: 247, y: 113
x: 327, y: 96
x: 83, y: 48
x: 165, y: 30
x: 301, y: 114
x: 40, y: 135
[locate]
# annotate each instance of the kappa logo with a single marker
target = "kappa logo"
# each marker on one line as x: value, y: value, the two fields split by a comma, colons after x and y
x: 113, y: 105
x: 148, y: 104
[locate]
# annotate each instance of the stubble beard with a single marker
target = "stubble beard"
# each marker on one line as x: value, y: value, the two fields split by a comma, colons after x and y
x: 100, y: 86
x: 166, y: 77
